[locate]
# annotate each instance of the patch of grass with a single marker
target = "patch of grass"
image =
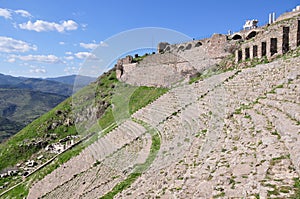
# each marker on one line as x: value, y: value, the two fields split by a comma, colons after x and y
x: 285, y: 189
x: 296, y: 188
x: 204, y: 131
x: 196, y: 77
x: 144, y: 95
x: 277, y: 134
x: 121, y: 186
x: 238, y: 111
x: 139, y: 169
x: 247, y: 116
x: 21, y: 191
x: 279, y: 86
x: 273, y: 192
x: 274, y: 161
x: 107, y: 119
x: 139, y: 58
x: 222, y: 194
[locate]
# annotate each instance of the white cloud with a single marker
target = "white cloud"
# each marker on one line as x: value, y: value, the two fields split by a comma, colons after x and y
x: 69, y: 58
x: 23, y: 13
x: 85, y: 55
x: 71, y: 70
x: 83, y: 27
x: 35, y: 69
x: 62, y: 43
x: 38, y: 70
x: 92, y: 46
x: 68, y: 53
x: 50, y: 59
x: 102, y: 43
x: 9, y: 45
x: 11, y: 60
x: 6, y: 13
x: 43, y: 26
x: 88, y: 46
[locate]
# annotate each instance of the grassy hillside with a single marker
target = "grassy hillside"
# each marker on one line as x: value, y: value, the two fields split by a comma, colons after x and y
x: 97, y: 95
x: 19, y: 107
x: 46, y: 86
x: 100, y: 94
x: 8, y: 128
x: 25, y: 99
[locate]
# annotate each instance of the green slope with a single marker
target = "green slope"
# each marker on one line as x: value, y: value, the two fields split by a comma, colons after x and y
x: 97, y: 95
x: 19, y: 107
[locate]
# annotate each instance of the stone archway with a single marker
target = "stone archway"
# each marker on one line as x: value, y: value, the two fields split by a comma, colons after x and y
x: 251, y: 34
x: 180, y: 48
x: 236, y: 37
x: 188, y: 47
x: 198, y: 44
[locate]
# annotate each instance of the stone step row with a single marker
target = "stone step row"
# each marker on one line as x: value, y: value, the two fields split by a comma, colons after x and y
x: 105, y: 146
x: 100, y: 178
x: 178, y: 98
x: 289, y: 132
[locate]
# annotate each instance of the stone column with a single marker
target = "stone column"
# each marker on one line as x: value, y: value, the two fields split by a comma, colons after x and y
x: 251, y: 52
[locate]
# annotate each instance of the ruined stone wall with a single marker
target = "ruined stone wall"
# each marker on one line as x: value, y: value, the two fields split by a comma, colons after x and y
x: 159, y: 70
x: 177, y: 62
x: 215, y: 46
x: 270, y: 40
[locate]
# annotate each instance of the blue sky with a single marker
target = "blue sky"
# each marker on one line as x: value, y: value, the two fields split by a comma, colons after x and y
x: 40, y: 38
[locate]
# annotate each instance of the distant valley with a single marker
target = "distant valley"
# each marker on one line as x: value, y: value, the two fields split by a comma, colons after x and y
x: 24, y: 99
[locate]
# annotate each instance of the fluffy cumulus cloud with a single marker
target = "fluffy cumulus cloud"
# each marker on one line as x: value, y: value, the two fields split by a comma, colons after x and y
x: 6, y: 13
x: 8, y: 45
x: 44, y: 26
x: 50, y: 59
x: 85, y: 55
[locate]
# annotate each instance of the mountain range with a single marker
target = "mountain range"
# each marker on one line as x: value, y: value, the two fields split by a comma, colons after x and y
x: 24, y: 99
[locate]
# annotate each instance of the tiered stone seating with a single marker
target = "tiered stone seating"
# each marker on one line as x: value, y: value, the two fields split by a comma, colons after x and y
x: 247, y: 157
x: 227, y: 136
x: 101, y: 178
x: 124, y: 134
x: 198, y: 58
x: 178, y: 98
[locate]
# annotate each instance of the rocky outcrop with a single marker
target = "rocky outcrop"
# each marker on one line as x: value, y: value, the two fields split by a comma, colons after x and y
x: 119, y: 65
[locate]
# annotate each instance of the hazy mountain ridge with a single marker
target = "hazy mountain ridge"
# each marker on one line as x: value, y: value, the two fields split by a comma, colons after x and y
x: 71, y: 79
x: 24, y: 99
x: 19, y: 107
